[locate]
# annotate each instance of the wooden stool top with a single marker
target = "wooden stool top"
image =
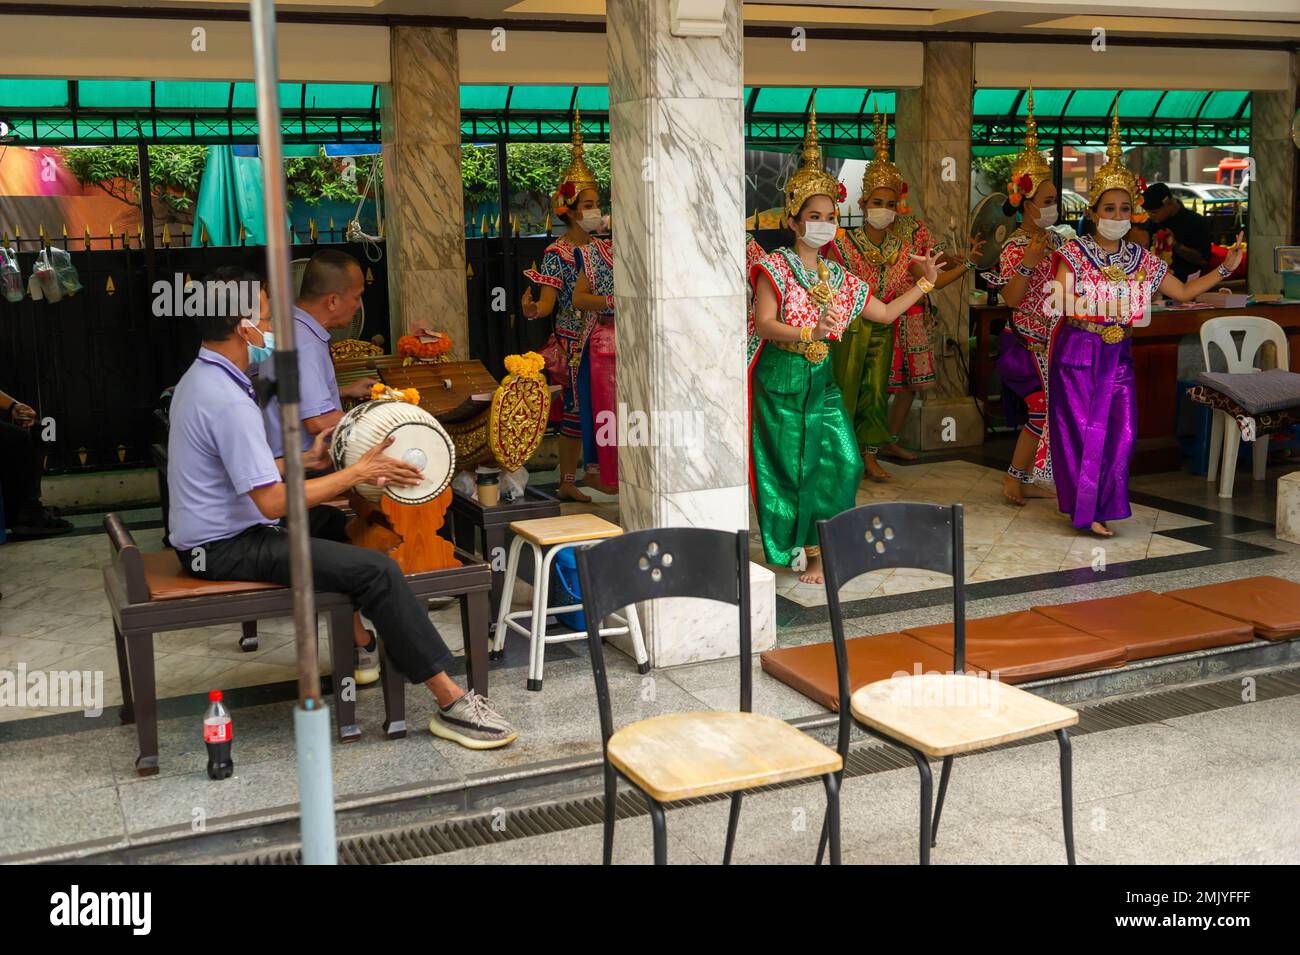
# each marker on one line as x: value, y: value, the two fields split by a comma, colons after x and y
x: 687, y: 755
x: 565, y: 529
x: 943, y: 714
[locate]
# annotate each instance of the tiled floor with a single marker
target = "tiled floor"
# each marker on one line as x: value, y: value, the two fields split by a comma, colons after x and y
x: 70, y: 779
x: 1002, y: 541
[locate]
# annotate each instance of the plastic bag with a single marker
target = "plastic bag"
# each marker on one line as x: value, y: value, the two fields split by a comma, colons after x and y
x: 64, y: 271
x: 513, y: 484
x: 11, y: 276
x: 43, y: 284
x: 53, y: 276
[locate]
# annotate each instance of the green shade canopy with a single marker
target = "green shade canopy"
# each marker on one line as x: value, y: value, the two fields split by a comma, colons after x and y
x: 62, y: 112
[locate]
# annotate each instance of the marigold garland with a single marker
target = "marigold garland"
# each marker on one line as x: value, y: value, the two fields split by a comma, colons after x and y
x: 527, y: 365
x: 381, y: 392
x: 409, y: 346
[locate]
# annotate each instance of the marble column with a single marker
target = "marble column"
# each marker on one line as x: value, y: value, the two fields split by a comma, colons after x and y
x: 677, y: 185
x: 1272, y: 186
x: 932, y: 148
x: 423, y: 197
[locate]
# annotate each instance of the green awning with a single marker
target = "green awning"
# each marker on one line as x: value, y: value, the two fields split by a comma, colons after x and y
x: 58, y: 112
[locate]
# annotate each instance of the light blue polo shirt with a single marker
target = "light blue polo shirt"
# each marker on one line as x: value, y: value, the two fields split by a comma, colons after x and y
x: 216, y: 454
x: 318, y: 388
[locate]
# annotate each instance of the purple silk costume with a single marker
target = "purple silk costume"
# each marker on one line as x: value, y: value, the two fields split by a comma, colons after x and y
x: 1093, y: 406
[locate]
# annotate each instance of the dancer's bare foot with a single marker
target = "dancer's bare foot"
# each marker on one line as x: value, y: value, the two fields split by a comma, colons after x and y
x: 897, y: 451
x: 874, y: 471
x: 813, y: 575
x: 1013, y: 489
x: 593, y: 481
x: 1101, y: 530
x: 569, y: 492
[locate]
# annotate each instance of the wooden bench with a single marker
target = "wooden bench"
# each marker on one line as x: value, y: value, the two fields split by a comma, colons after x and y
x: 150, y: 593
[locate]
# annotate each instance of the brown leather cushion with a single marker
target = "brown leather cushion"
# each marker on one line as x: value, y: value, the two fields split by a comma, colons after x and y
x: 1147, y: 624
x: 1024, y: 646
x: 1269, y: 604
x: 810, y: 669
x: 167, y: 581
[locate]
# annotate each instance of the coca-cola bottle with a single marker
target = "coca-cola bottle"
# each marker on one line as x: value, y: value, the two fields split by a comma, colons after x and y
x: 218, y: 730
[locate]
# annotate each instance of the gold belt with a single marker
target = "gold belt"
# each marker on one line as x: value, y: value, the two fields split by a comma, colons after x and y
x: 1110, y: 334
x: 814, y: 352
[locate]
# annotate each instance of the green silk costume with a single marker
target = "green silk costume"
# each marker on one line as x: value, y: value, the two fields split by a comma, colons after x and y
x: 805, y: 465
x: 861, y: 360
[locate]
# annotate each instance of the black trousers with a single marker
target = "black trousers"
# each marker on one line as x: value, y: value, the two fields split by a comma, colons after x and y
x: 20, y: 470
x: 372, y: 580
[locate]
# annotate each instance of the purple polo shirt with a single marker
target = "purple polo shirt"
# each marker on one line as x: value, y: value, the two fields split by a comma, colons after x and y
x: 216, y: 454
x: 318, y: 389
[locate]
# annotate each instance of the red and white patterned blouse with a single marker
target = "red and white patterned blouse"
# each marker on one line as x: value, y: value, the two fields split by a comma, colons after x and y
x: 1120, y: 297
x: 904, y: 238
x: 1031, y: 318
x: 791, y: 279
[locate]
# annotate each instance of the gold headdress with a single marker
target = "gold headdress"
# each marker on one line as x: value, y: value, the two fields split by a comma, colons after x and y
x: 1115, y: 175
x: 577, y: 177
x: 880, y: 172
x: 811, y: 179
x: 1030, y: 170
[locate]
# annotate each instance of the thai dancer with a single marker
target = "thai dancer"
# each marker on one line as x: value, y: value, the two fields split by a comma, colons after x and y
x: 872, y: 361
x: 597, y: 400
x: 576, y: 201
x: 1025, y: 275
x: 1104, y: 283
x: 804, y: 458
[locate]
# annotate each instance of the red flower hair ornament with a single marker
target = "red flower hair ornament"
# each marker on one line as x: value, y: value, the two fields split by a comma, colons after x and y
x: 904, y: 206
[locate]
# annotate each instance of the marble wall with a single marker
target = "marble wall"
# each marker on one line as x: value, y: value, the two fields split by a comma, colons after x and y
x: 1272, y: 193
x: 423, y: 196
x: 932, y: 148
x: 678, y: 218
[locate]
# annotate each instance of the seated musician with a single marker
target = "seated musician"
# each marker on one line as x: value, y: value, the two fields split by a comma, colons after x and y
x: 226, y: 497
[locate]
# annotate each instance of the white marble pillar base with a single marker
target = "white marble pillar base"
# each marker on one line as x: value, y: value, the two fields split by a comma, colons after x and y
x: 1288, y: 507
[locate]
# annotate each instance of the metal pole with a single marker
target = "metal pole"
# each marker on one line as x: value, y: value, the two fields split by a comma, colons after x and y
x: 311, y: 722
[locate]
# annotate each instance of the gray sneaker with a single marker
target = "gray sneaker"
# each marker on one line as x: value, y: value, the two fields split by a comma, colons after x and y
x: 365, y: 665
x: 472, y: 722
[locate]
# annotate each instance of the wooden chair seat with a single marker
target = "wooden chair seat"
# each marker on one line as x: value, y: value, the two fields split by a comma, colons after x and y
x: 943, y: 714
x: 687, y: 755
x: 168, y: 581
x: 565, y: 529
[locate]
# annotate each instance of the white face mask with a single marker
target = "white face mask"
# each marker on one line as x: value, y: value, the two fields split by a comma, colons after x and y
x: 881, y: 218
x: 1113, y: 229
x: 817, y: 234
x: 592, y: 221
x: 1046, y: 217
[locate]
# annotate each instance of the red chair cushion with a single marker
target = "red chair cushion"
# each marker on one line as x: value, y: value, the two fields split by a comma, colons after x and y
x: 1147, y: 624
x: 1025, y: 646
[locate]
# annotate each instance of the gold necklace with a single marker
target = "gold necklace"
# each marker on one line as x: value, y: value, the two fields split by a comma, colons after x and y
x: 875, y: 254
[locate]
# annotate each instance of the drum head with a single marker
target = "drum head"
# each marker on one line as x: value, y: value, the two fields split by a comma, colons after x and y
x: 430, y: 450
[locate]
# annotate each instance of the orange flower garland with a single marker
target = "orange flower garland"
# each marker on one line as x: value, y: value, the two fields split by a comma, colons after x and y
x: 409, y: 346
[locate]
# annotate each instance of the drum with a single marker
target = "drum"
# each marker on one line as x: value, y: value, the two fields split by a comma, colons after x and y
x: 418, y: 439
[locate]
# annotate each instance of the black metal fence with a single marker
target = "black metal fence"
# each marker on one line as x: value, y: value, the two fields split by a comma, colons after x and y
x: 95, y: 363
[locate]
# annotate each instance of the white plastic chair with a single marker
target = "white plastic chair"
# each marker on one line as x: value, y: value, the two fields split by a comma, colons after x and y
x: 1224, y: 432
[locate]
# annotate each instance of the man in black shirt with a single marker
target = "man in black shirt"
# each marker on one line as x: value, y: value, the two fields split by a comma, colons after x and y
x: 20, y: 474
x: 1191, y: 231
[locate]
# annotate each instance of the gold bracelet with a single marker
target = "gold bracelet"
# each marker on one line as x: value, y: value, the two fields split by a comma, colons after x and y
x: 805, y: 333
x: 925, y: 285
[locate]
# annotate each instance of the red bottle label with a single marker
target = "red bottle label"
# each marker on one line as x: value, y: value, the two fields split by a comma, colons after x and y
x: 218, y: 731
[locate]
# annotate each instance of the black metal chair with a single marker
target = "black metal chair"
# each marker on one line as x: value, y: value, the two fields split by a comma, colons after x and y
x: 973, y: 712
x: 689, y: 755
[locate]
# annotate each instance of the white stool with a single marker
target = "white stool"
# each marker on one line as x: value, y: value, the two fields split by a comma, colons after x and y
x: 555, y: 534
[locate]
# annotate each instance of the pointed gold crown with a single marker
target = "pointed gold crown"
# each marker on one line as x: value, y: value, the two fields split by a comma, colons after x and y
x: 577, y: 176
x: 1030, y: 162
x: 810, y: 179
x: 1115, y: 175
x: 880, y: 172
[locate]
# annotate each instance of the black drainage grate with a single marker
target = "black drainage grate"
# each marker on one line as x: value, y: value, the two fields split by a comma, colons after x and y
x: 420, y: 842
